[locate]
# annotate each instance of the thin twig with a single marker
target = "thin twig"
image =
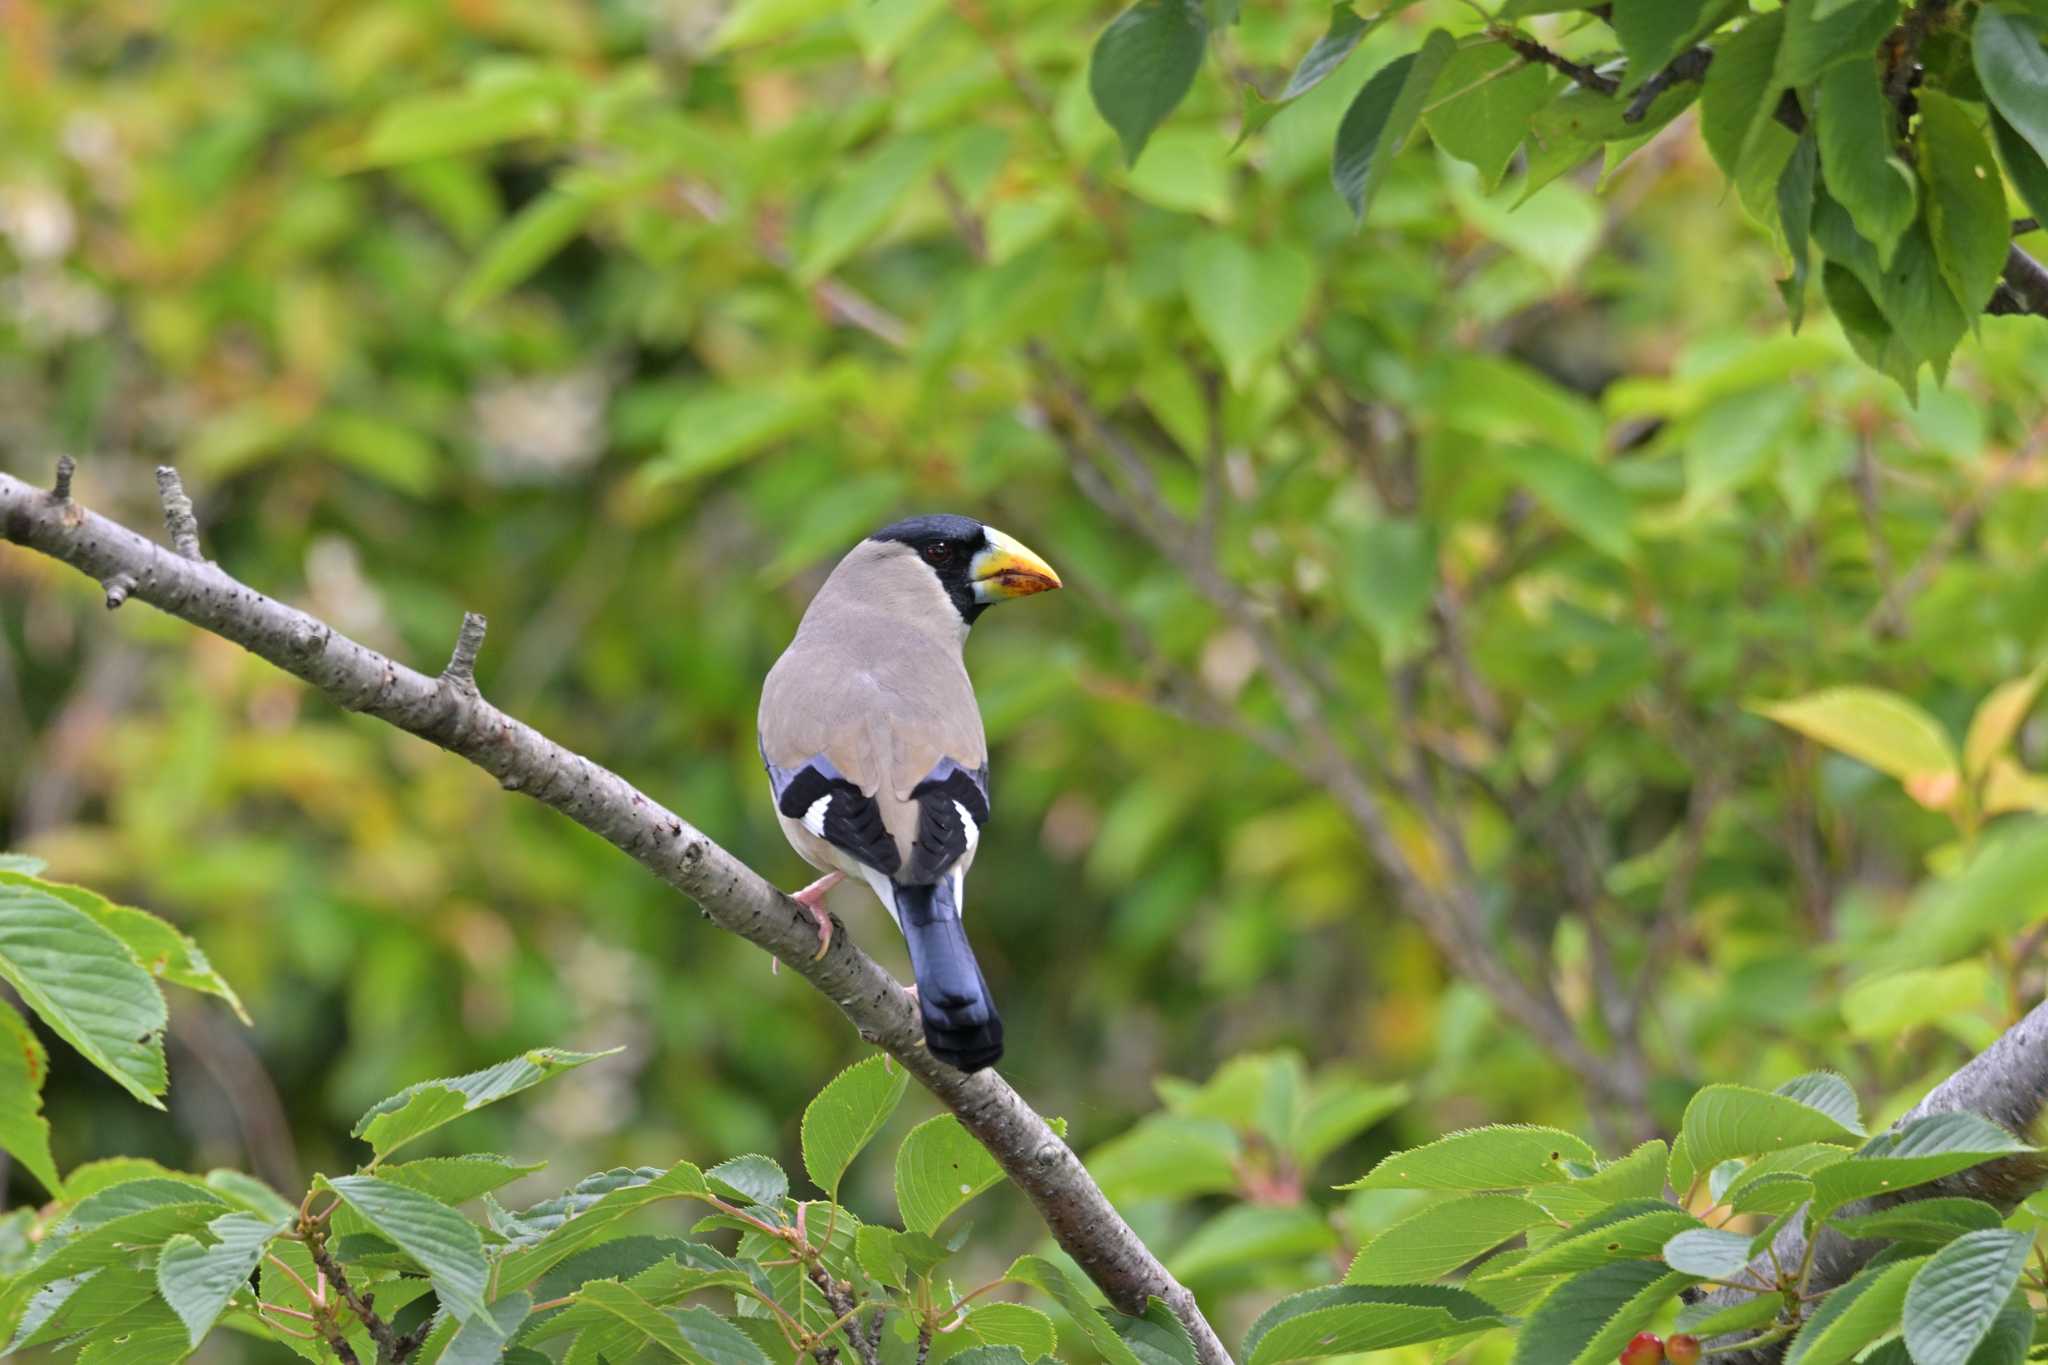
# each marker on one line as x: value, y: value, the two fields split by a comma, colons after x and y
x: 61, y: 489
x: 461, y: 669
x: 1533, y: 51
x: 179, y: 518
x: 1686, y: 66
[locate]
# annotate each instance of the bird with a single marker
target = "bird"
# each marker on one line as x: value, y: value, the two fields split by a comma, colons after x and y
x: 873, y: 743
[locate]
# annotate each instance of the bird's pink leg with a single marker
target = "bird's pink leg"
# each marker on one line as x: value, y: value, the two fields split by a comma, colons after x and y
x: 812, y: 898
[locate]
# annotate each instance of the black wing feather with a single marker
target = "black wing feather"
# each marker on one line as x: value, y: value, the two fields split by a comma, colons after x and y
x: 942, y: 834
x: 852, y: 822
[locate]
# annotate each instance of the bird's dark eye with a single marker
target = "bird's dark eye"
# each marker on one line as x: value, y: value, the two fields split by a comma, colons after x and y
x: 938, y: 552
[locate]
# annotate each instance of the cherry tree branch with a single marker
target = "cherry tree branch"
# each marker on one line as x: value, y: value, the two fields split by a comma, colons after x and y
x: 450, y: 712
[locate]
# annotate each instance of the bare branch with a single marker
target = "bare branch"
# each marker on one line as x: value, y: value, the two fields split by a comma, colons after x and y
x: 1533, y: 51
x: 1686, y: 66
x: 461, y: 669
x: 731, y: 894
x: 179, y: 518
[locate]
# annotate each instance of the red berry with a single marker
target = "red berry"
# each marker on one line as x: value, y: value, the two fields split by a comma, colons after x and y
x: 1647, y: 1348
x: 1682, y: 1349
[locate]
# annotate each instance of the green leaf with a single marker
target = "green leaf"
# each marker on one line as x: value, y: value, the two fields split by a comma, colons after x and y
x: 1890, y: 1005
x: 1709, y: 1253
x: 1739, y: 97
x: 197, y: 1280
x: 1498, y: 1158
x: 163, y: 952
x: 1819, y: 37
x: 1168, y: 1156
x: 857, y: 209
x: 1956, y: 1295
x: 1871, y: 335
x: 1247, y: 300
x: 436, y: 125
x: 2001, y: 890
x: 649, y: 1323
x: 83, y: 982
x: 846, y: 1115
x: 1390, y: 577
x: 419, y: 1109
x: 1911, y: 293
x: 1965, y: 199
x: 1652, y: 32
x: 1442, y: 1237
x: 1724, y: 1121
x: 1017, y: 1325
x: 1639, y: 1175
x: 1142, y: 66
x: 2013, y: 65
x: 1921, y: 1220
x: 482, y: 1340
x: 1795, y: 216
x: 1858, y: 162
x: 251, y: 1194
x: 458, y: 1179
x: 1580, y: 491
x: 718, y: 428
x: 1998, y: 718
x: 444, y: 1243
x: 24, y: 1132
x: 1640, y: 1231
x: 1828, y: 1092
x: 750, y: 1179
x: 1492, y: 96
x: 529, y: 239
x: 938, y: 1169
x: 1345, y: 1319
x: 1052, y: 1279
x: 1243, y: 1238
x: 1339, y: 1108
x: 1157, y: 1337
x: 1853, y: 1316
x: 22, y: 863
x: 556, y: 1229
x: 1926, y: 1149
x: 1345, y: 32
x: 1879, y: 728
x: 1380, y: 118
x: 1591, y: 1316
x: 2024, y: 166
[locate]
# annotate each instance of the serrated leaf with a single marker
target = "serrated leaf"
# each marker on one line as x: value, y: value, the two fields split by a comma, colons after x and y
x: 1706, y: 1318
x: 1828, y: 1092
x: 162, y: 951
x: 1142, y: 65
x: 1879, y: 728
x: 458, y: 1179
x: 1965, y: 199
x: 1639, y: 1175
x: 1497, y: 1158
x: 1016, y: 1325
x: 24, y: 1132
x: 1724, y: 1121
x: 482, y: 1340
x: 251, y: 1194
x: 1591, y: 1316
x: 1921, y: 1220
x: 1381, y: 116
x: 441, y: 1241
x: 1247, y: 300
x: 1637, y: 1233
x: 661, y: 1270
x: 563, y: 1226
x: 419, y: 1109
x: 1957, y: 1294
x: 750, y: 1179
x: 1853, y: 1316
x: 2012, y: 63
x: 1710, y: 1253
x: 1924, y: 1150
x: 1156, y: 1337
x: 846, y: 1115
x: 1053, y: 1280
x: 197, y: 1280
x: 1442, y: 1237
x: 83, y: 982
x: 938, y: 1169
x: 1345, y: 1319
x: 643, y: 1318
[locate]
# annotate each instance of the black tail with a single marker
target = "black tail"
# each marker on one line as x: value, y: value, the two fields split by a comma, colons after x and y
x: 961, y: 1026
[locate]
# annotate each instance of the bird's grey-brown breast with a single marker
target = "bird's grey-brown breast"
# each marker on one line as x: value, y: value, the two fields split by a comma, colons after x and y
x: 873, y: 692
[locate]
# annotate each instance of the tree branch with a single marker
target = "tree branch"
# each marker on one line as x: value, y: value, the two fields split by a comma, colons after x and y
x: 2006, y: 1083
x: 732, y: 895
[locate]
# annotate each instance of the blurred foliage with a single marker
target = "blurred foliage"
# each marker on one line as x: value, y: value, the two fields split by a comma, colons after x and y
x: 619, y: 321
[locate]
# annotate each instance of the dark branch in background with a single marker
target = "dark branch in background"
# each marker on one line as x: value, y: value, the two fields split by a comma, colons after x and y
x: 2006, y: 1083
x: 449, y: 712
x: 1686, y: 66
x: 1533, y: 51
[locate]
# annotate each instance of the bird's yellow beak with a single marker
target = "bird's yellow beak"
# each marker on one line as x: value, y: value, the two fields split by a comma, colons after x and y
x: 1008, y: 569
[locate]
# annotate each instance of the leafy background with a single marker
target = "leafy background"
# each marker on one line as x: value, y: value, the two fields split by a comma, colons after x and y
x: 618, y: 322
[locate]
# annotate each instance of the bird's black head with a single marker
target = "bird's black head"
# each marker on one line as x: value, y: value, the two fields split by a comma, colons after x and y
x: 977, y: 565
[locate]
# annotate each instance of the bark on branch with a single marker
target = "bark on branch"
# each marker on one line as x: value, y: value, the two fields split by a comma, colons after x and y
x: 448, y: 711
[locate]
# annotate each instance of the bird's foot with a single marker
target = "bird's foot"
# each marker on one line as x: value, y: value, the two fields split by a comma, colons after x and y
x: 812, y: 898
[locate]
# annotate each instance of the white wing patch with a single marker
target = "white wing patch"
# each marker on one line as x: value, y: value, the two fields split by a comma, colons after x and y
x: 814, y: 818
x: 972, y: 830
